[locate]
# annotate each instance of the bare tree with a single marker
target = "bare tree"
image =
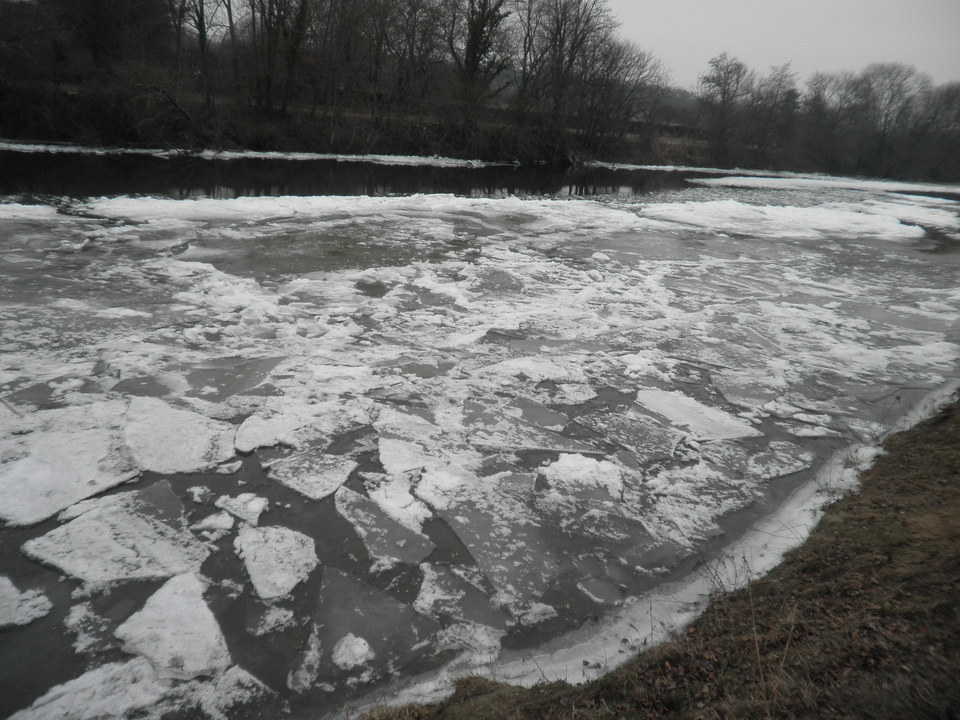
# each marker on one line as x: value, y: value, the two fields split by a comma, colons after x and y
x: 475, y: 39
x: 723, y: 90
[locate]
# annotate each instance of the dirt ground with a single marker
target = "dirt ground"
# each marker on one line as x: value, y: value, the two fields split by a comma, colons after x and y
x: 862, y: 621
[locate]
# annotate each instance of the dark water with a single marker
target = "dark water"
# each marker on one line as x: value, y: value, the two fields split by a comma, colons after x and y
x: 76, y: 175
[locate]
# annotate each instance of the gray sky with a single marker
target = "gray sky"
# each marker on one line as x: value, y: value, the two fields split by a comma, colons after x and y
x: 812, y: 35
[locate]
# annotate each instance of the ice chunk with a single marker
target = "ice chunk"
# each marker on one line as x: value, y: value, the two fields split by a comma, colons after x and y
x: 273, y: 618
x: 60, y: 464
x: 493, y: 518
x: 537, y: 613
x: 538, y: 369
x: 705, y: 422
x: 213, y: 527
x: 133, y: 688
x: 139, y: 535
x: 393, y: 495
x: 18, y: 608
x: 648, y: 440
x: 488, y: 427
x: 257, y: 431
x: 313, y: 473
x: 118, y: 690
x: 176, y: 631
x: 351, y: 652
x: 305, y: 675
x: 384, y: 537
x: 277, y: 559
x: 444, y: 592
x: 246, y: 506
x: 577, y: 470
x: 163, y: 439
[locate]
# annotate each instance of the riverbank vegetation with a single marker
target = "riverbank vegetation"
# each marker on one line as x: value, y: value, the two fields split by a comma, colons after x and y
x: 862, y: 621
x: 527, y: 80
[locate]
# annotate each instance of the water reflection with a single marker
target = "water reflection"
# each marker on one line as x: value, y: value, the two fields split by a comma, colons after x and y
x: 93, y: 176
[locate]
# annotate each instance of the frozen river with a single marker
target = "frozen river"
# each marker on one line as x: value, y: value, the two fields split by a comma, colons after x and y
x: 298, y: 450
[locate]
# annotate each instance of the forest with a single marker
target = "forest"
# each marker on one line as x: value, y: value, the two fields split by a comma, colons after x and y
x: 529, y: 81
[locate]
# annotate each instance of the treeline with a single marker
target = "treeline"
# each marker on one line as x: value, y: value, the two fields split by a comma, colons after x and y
x: 528, y: 79
x: 531, y: 80
x: 887, y: 121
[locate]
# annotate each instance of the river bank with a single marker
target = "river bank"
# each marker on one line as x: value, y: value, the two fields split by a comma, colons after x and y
x: 861, y: 621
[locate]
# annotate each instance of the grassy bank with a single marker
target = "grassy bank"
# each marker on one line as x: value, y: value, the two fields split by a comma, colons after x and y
x: 862, y: 621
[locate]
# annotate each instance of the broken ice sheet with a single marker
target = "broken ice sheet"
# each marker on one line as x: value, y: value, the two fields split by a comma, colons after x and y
x: 137, y: 535
x: 486, y: 426
x: 133, y: 688
x: 759, y: 463
x: 257, y: 431
x: 690, y: 498
x: 391, y: 630
x: 383, y: 536
x: 245, y: 506
x: 305, y: 675
x: 639, y: 433
x: 277, y: 559
x: 164, y: 439
x: 494, y: 518
x: 394, y: 495
x: 214, y: 527
x: 176, y: 631
x: 446, y: 593
x: 313, y: 473
x: 72, y: 454
x: 18, y: 608
x: 703, y: 421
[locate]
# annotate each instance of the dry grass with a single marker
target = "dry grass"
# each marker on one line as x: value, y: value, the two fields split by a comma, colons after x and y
x: 862, y: 621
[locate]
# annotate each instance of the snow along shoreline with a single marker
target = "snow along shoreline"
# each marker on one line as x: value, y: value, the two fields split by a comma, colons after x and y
x: 650, y: 619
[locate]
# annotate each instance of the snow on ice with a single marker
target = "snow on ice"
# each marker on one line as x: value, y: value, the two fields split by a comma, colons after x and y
x: 18, y: 608
x: 277, y: 559
x: 138, y: 535
x: 176, y: 631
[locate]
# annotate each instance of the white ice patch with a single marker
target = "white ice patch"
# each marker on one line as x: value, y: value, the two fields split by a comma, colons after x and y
x: 121, y: 689
x: 384, y: 537
x: 176, y: 631
x: 133, y: 688
x: 705, y: 422
x: 245, y: 506
x: 777, y: 221
x: 351, y: 652
x: 277, y: 559
x: 163, y: 439
x: 18, y: 608
x: 313, y: 473
x: 257, y: 431
x: 65, y: 455
x: 305, y: 675
x: 578, y: 470
x: 214, y: 527
x: 139, y: 535
x: 394, y: 496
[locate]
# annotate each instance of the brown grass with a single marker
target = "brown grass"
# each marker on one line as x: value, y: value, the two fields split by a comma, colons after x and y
x: 862, y: 621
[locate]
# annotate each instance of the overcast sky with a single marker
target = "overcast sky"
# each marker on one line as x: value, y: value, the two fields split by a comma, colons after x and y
x: 812, y: 35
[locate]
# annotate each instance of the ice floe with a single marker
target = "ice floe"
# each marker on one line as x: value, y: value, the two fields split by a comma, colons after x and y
x: 277, y: 559
x: 21, y: 608
x: 245, y: 506
x: 705, y: 422
x: 165, y: 439
x: 176, y: 631
x: 58, y: 457
x: 138, y: 535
